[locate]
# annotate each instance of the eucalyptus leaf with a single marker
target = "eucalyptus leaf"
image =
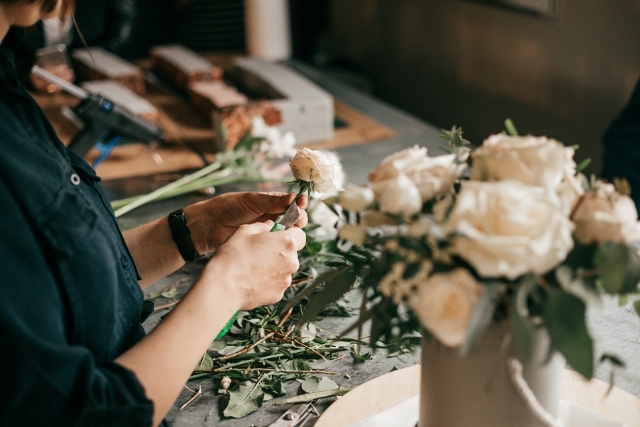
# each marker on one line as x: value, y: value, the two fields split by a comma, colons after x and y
x: 564, y: 316
x: 620, y: 267
x: 308, y: 332
x: 171, y: 293
x: 309, y: 289
x: 275, y: 388
x: 243, y: 399
x: 206, y: 363
x: 217, y: 345
x: 337, y: 285
x: 314, y: 384
x: 636, y: 306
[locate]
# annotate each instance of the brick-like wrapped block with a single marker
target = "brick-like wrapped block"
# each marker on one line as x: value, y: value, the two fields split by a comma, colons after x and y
x: 207, y: 96
x: 306, y: 109
x: 231, y: 123
x: 181, y: 66
x: 124, y: 97
x: 97, y: 63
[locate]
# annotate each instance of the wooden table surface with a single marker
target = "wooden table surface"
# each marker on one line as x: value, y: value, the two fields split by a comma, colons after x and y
x: 395, y: 387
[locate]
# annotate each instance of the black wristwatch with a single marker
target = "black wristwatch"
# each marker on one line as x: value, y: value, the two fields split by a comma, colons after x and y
x: 182, y: 236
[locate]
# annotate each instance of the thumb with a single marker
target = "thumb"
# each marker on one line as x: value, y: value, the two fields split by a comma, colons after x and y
x: 274, y: 203
x: 256, y: 227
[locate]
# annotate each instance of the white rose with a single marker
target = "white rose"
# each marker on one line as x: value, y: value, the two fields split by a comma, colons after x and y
x: 353, y: 233
x: 432, y: 176
x: 273, y: 144
x: 397, y: 195
x: 399, y: 288
x: 507, y: 228
x: 571, y: 188
x: 377, y: 219
x: 327, y: 220
x: 531, y: 160
x: 356, y: 197
x: 444, y: 304
x: 606, y: 215
x: 314, y: 166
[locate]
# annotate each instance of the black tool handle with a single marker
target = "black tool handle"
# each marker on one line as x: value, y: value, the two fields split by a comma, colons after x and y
x: 89, y: 136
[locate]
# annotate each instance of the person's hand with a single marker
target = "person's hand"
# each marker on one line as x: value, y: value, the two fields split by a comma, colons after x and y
x: 60, y: 70
x: 254, y: 266
x: 212, y: 222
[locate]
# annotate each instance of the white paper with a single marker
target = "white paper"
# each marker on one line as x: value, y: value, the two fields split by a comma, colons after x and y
x: 268, y: 29
x: 406, y: 414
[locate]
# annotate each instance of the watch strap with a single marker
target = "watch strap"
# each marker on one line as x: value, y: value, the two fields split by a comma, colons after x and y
x: 182, y: 235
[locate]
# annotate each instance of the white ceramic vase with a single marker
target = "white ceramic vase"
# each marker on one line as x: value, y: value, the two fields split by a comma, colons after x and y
x: 478, y: 389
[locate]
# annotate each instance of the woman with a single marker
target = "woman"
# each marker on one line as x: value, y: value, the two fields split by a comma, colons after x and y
x: 74, y: 353
x: 105, y: 23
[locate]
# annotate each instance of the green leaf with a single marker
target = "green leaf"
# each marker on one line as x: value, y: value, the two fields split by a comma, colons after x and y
x: 564, y: 317
x: 582, y: 165
x: 636, y: 306
x: 323, y: 278
x: 274, y: 387
x: 314, y: 384
x: 358, y: 356
x: 171, y: 293
x: 510, y: 127
x: 244, y: 399
x: 581, y: 255
x: 337, y: 285
x: 218, y: 345
x: 619, y: 267
x: 482, y: 314
x: 206, y: 363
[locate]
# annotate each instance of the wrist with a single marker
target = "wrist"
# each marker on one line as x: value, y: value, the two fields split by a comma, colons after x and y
x: 181, y: 235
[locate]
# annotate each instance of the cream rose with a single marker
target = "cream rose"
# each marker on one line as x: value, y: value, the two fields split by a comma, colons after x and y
x: 397, y: 287
x: 606, y: 215
x: 432, y: 176
x: 397, y: 195
x: 444, y: 304
x: 327, y: 221
x: 314, y: 166
x: 356, y: 197
x: 538, y: 161
x: 506, y: 228
x: 353, y: 233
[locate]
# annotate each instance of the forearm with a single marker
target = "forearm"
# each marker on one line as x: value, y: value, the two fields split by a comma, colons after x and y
x: 154, y: 251
x: 165, y: 359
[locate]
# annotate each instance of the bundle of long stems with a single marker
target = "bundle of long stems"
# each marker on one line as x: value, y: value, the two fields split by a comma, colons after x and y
x: 217, y: 173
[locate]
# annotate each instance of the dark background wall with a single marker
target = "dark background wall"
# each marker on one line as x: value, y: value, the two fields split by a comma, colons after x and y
x: 448, y: 62
x: 473, y: 64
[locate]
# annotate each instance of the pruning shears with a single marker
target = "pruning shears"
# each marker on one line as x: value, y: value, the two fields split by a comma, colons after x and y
x: 289, y: 218
x: 294, y: 417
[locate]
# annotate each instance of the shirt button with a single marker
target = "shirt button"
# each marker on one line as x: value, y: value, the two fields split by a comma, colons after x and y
x: 75, y: 179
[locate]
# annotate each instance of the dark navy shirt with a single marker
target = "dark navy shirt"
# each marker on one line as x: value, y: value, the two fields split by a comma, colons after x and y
x: 69, y: 298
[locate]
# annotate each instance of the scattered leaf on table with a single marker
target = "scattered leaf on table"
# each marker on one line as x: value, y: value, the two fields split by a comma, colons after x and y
x: 244, y: 399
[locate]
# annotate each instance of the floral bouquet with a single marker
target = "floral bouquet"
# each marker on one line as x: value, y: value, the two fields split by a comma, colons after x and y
x: 510, y: 233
